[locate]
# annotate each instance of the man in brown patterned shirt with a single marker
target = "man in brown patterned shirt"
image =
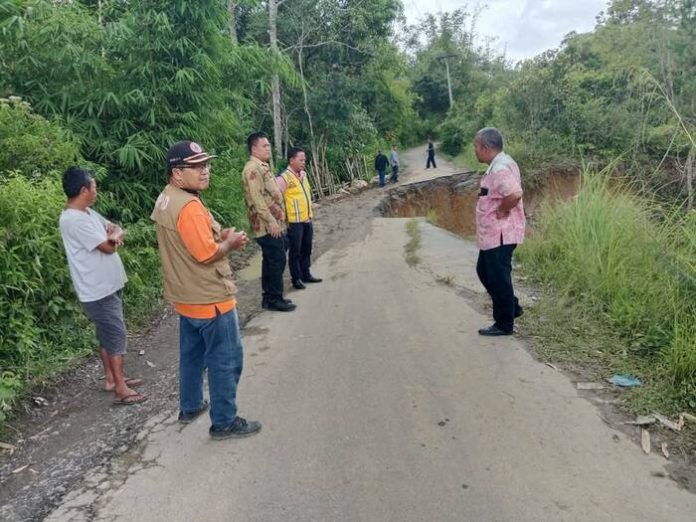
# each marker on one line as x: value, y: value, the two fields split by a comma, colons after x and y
x: 266, y: 214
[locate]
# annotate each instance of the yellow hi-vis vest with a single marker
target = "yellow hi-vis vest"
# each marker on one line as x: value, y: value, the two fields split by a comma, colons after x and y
x: 298, y: 198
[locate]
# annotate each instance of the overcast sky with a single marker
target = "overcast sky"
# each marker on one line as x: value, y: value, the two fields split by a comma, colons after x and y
x: 523, y: 28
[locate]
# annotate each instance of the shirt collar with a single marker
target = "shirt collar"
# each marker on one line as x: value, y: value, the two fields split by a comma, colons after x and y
x: 498, y: 157
x: 257, y: 160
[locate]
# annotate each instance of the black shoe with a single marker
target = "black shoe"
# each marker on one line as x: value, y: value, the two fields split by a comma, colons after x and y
x: 298, y: 284
x: 518, y: 312
x: 494, y: 330
x: 280, y: 306
x: 312, y: 279
x: 189, y: 417
x: 238, y: 429
x: 264, y: 302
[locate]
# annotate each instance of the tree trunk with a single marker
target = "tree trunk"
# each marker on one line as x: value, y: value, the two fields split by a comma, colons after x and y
x: 275, y: 80
x: 232, y: 21
x: 315, y: 160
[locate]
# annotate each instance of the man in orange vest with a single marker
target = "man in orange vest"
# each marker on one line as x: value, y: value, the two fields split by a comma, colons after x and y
x: 198, y: 281
x: 294, y: 186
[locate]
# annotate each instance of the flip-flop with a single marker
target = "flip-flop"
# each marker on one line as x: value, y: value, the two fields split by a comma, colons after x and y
x: 132, y: 382
x: 123, y: 401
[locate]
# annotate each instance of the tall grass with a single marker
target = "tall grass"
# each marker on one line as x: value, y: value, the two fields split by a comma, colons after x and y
x: 627, y: 261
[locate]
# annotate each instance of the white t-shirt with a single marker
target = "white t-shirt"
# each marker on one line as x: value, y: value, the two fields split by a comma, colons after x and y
x: 94, y: 274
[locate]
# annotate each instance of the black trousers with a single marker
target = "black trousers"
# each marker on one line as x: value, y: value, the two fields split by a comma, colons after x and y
x: 300, y: 249
x: 431, y: 159
x: 272, y: 267
x: 494, y: 269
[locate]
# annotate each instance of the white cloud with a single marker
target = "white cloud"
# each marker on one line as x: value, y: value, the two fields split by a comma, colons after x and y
x: 523, y: 28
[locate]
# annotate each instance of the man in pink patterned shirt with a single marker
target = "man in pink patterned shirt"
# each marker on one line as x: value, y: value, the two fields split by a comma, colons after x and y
x: 500, y: 226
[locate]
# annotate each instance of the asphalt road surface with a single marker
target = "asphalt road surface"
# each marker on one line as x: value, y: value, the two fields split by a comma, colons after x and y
x: 380, y: 402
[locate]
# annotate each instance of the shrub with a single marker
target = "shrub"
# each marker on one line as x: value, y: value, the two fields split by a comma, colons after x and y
x: 32, y: 145
x: 43, y: 328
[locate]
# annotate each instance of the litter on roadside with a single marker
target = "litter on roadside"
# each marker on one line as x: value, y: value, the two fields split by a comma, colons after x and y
x: 665, y: 451
x: 674, y: 426
x: 150, y: 364
x: 589, y: 386
x: 7, y: 447
x: 625, y: 381
x: 643, y: 420
x: 40, y: 401
x: 20, y: 469
x: 645, y: 440
x: 141, y: 352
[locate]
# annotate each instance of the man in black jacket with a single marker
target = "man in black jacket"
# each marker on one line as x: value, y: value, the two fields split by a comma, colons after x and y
x: 431, y: 154
x: 381, y: 162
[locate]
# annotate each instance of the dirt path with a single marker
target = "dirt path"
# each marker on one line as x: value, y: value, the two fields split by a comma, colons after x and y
x: 79, y: 429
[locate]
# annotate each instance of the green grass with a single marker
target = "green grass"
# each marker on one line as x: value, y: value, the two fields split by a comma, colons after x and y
x: 414, y: 242
x: 622, y: 270
x: 467, y: 159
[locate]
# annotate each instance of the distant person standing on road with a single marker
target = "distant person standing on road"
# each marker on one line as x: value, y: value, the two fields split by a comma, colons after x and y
x: 198, y: 281
x: 264, y: 204
x: 431, y: 154
x: 381, y: 163
x: 294, y: 185
x: 98, y: 278
x: 500, y: 225
x: 394, y: 162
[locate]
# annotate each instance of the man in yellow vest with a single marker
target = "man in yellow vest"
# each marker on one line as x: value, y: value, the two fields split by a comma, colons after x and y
x: 294, y: 186
x: 198, y: 282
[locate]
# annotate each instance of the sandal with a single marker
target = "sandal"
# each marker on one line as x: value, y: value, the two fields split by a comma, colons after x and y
x: 129, y: 400
x: 131, y: 382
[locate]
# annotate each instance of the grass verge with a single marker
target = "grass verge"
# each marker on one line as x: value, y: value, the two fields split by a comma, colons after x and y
x: 414, y: 242
x: 623, y: 293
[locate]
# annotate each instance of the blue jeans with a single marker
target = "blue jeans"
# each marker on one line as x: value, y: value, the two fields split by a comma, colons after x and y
x: 395, y: 174
x: 381, y: 174
x: 215, y: 344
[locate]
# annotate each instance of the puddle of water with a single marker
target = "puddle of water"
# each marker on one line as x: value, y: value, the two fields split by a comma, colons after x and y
x: 252, y: 270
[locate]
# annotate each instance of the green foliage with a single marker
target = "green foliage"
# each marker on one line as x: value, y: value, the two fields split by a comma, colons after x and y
x: 43, y: 328
x: 30, y: 144
x: 605, y: 252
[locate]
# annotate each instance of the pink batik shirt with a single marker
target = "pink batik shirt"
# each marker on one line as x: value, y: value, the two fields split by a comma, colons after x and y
x: 501, y: 179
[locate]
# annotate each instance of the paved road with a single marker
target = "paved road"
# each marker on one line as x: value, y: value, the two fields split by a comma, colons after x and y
x: 381, y: 403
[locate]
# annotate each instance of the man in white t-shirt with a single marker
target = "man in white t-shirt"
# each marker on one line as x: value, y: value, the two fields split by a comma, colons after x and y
x: 98, y: 277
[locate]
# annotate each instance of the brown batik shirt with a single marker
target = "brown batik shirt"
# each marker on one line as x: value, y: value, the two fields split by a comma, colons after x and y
x: 263, y: 199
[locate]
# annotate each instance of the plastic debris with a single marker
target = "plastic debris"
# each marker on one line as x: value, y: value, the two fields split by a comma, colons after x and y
x: 150, y: 364
x: 643, y: 420
x: 625, y: 381
x: 674, y: 426
x: 589, y: 386
x: 141, y: 352
x: 20, y: 469
x: 665, y: 452
x: 687, y: 416
x: 40, y: 401
x: 8, y: 447
x: 645, y: 440
x: 552, y: 366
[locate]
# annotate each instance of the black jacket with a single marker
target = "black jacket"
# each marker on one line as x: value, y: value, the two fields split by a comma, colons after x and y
x: 381, y: 162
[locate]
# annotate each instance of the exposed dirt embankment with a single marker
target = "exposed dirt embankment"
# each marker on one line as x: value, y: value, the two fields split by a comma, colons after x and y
x: 450, y: 201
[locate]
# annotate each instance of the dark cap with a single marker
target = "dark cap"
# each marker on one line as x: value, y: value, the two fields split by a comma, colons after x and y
x: 186, y: 152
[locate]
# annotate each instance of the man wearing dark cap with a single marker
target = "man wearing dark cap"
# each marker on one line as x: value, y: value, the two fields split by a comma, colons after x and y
x: 198, y: 281
x: 264, y: 204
